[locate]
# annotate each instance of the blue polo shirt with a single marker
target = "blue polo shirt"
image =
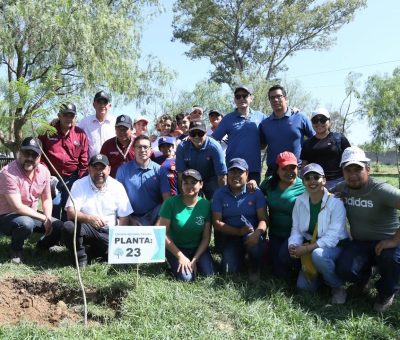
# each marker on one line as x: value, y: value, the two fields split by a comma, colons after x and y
x: 243, y: 137
x: 143, y: 186
x: 285, y: 134
x: 231, y: 207
x: 209, y: 160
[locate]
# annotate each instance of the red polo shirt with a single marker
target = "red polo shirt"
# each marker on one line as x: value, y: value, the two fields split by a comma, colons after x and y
x: 115, y: 156
x: 68, y: 153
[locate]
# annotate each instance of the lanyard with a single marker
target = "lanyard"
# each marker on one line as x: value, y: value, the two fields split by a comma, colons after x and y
x: 123, y: 154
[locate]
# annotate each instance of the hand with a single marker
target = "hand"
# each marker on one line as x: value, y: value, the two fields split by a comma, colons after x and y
x: 194, y: 266
x: 245, y: 230
x: 96, y: 222
x: 251, y: 185
x: 185, y: 265
x: 47, y: 226
x: 292, y: 250
x: 385, y: 244
x: 297, y: 251
x: 252, y: 239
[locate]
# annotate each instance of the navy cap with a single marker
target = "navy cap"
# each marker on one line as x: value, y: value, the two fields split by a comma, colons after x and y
x: 243, y: 87
x: 192, y: 173
x: 99, y: 159
x: 313, y: 167
x: 32, y: 143
x: 166, y: 140
x: 102, y: 95
x: 70, y: 107
x: 215, y: 111
x: 197, y: 125
x: 124, y: 120
x: 238, y: 163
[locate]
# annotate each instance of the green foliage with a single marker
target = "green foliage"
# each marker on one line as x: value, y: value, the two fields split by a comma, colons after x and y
x: 242, y: 36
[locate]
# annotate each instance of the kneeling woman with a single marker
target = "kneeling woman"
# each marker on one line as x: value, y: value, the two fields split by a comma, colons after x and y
x: 187, y: 219
x: 318, y: 215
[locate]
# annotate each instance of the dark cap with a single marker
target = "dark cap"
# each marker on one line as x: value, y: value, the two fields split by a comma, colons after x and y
x: 238, y: 163
x: 192, y: 173
x: 197, y: 125
x: 102, y: 95
x: 166, y: 140
x: 215, y: 111
x: 70, y: 107
x: 99, y: 159
x: 31, y: 143
x: 124, y: 120
x: 243, y: 87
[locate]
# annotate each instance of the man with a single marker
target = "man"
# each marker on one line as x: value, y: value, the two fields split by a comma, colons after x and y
x: 100, y: 126
x: 374, y: 226
x: 100, y: 202
x: 22, y: 183
x: 140, y: 125
x: 204, y: 154
x: 241, y: 127
x: 145, y: 182
x: 67, y: 152
x: 215, y: 117
x: 119, y: 149
x: 284, y: 129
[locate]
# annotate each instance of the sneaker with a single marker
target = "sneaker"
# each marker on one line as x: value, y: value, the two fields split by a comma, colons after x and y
x: 382, y: 304
x: 339, y: 295
x: 16, y: 256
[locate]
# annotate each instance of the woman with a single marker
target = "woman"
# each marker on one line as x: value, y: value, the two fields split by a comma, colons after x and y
x: 240, y: 216
x: 187, y: 219
x: 166, y: 125
x: 281, y: 191
x: 325, y: 148
x: 320, y: 213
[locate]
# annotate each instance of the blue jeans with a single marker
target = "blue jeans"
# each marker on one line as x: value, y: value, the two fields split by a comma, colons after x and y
x: 324, y: 261
x: 205, y: 265
x: 282, y: 262
x: 356, y: 261
x: 234, y: 250
x: 148, y: 219
x: 21, y: 227
x: 61, y: 198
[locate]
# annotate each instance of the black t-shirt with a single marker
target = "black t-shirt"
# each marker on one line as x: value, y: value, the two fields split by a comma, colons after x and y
x: 325, y: 152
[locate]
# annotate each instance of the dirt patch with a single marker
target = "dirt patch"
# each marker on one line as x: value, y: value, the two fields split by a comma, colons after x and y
x: 43, y: 300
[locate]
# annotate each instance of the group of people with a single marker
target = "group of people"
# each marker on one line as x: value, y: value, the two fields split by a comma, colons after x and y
x: 199, y: 181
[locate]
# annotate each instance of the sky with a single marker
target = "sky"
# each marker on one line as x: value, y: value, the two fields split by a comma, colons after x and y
x: 367, y: 45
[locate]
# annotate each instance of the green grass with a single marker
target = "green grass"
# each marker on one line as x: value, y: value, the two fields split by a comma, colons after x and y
x: 154, y: 306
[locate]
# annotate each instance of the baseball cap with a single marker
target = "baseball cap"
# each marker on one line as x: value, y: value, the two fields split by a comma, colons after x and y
x: 102, y: 95
x: 285, y: 158
x: 192, y: 173
x: 197, y: 125
x: 321, y: 111
x: 313, y: 167
x: 238, y: 163
x: 243, y: 87
x: 166, y: 140
x: 124, y: 120
x: 215, y: 111
x: 70, y: 107
x: 99, y: 159
x: 32, y: 143
x: 196, y: 108
x: 138, y: 119
x: 354, y: 155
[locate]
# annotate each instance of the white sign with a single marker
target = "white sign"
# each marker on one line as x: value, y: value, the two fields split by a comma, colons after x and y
x: 136, y: 244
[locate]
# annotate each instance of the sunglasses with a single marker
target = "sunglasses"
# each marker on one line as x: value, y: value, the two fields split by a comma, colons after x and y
x: 315, y: 177
x: 322, y: 120
x: 242, y: 96
x: 195, y: 133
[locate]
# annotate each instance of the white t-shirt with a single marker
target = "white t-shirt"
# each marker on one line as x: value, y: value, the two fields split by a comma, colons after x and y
x: 109, y: 203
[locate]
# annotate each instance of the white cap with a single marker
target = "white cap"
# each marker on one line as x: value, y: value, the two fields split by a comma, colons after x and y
x: 353, y: 155
x: 321, y: 111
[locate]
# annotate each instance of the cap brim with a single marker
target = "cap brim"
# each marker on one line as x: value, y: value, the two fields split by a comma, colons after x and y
x: 237, y: 167
x: 124, y: 124
x: 32, y: 148
x: 68, y: 111
x: 99, y: 162
x: 360, y: 163
x: 283, y: 164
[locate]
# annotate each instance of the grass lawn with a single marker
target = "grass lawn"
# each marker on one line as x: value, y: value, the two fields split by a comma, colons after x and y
x: 151, y: 305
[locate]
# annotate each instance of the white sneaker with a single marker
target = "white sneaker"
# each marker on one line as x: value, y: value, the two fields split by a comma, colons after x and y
x: 339, y: 295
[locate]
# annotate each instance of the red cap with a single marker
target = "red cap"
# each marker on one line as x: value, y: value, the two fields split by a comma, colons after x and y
x: 286, y: 158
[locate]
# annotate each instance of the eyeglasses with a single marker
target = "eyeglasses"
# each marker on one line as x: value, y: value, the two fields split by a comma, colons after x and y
x: 195, y: 133
x: 278, y: 96
x: 142, y: 147
x: 315, y: 177
x: 242, y: 96
x: 322, y: 120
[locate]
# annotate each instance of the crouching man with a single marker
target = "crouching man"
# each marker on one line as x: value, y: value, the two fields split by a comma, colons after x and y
x: 371, y: 208
x: 100, y: 202
x: 22, y: 183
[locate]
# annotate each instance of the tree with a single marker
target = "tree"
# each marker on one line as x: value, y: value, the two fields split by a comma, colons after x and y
x: 52, y: 49
x: 381, y: 102
x: 238, y: 36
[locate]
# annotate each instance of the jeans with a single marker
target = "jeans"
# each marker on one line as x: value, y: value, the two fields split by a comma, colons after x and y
x: 324, y: 261
x: 85, y: 235
x: 21, y: 227
x: 205, y: 265
x: 149, y: 218
x: 61, y: 198
x: 356, y: 261
x: 234, y: 250
x: 282, y: 262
